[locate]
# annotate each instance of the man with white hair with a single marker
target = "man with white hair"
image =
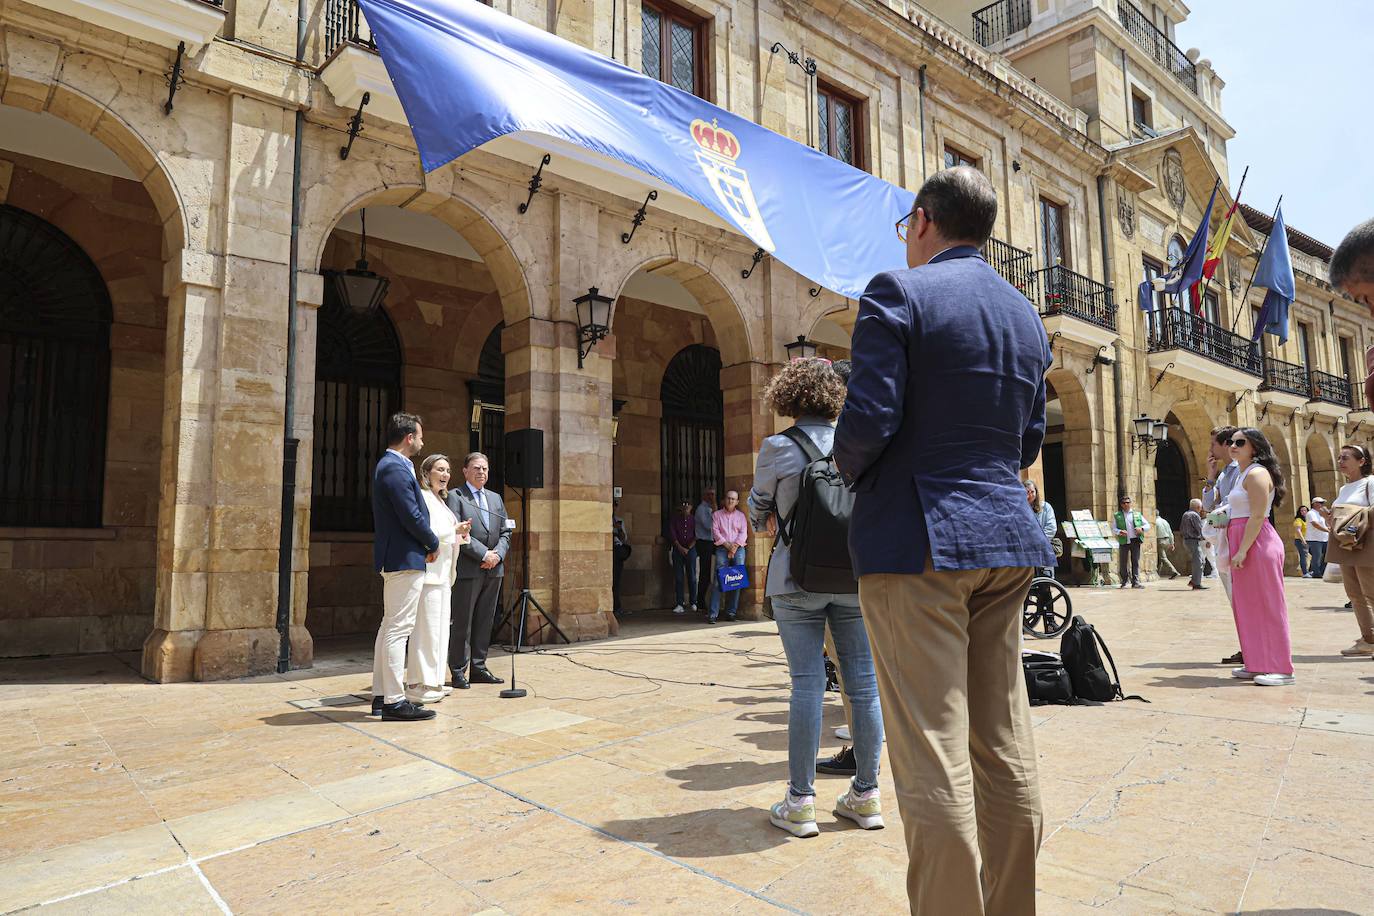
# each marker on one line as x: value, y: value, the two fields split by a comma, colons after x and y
x: 1191, y: 530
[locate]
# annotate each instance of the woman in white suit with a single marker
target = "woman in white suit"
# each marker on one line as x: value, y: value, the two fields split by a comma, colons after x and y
x: 427, y: 654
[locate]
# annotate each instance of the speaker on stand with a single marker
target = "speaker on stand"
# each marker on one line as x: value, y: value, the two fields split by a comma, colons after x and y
x: 524, y: 470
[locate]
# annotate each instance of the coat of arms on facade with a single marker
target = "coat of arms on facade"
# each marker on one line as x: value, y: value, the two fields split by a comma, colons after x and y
x: 1174, y: 185
x: 1125, y: 214
x: 717, y: 150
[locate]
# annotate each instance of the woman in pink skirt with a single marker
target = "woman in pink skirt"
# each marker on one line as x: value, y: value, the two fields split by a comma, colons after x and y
x: 1258, y: 601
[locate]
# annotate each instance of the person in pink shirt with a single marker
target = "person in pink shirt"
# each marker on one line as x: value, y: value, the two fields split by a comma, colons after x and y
x: 730, y: 529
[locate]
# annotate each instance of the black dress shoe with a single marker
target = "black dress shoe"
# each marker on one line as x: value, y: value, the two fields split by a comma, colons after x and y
x: 460, y: 682
x: 842, y: 764
x: 405, y: 711
x: 480, y: 675
x: 377, y: 705
x: 1237, y: 659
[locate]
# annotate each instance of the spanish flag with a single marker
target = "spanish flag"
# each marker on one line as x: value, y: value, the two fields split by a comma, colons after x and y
x: 1213, y: 256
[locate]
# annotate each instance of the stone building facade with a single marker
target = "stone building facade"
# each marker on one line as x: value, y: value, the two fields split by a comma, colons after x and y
x: 176, y: 214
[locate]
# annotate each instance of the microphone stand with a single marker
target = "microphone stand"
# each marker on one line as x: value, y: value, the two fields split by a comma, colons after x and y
x: 524, y: 601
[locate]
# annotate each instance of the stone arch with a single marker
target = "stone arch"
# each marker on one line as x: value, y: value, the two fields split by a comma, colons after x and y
x: 1322, y: 479
x: 1080, y: 427
x: 723, y: 311
x: 1285, y: 456
x: 1196, y: 424
x: 504, y: 253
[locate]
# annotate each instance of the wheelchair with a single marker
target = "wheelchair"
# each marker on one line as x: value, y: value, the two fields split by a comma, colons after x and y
x: 1048, y: 608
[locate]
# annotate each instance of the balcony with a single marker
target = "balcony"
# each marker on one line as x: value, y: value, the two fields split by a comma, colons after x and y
x: 1015, y: 266
x: 1285, y: 384
x: 994, y: 22
x: 166, y: 23
x: 353, y: 66
x: 1190, y: 346
x: 1157, y: 44
x: 1331, y: 395
x: 1075, y: 306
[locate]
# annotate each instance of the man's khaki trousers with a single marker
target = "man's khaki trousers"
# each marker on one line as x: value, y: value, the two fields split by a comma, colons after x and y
x: 947, y: 650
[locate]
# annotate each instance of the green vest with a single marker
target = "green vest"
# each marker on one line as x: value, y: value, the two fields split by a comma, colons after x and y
x: 1136, y: 517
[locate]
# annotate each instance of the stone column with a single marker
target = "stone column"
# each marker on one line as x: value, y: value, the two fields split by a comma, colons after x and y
x: 748, y: 421
x: 220, y: 509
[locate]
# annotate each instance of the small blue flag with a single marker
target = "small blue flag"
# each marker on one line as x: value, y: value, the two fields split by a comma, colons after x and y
x: 1275, y: 273
x: 1145, y: 294
x: 1189, y: 270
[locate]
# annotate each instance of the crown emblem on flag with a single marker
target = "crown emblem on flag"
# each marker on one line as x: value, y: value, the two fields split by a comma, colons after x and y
x: 715, y: 139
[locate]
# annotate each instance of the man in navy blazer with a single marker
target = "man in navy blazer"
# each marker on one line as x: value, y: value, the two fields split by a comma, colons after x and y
x: 946, y: 406
x: 402, y: 544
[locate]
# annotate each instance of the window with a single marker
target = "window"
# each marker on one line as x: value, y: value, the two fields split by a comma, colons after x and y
x: 55, y: 318
x: 674, y: 46
x: 1347, y: 347
x: 1211, y: 308
x: 357, y: 388
x: 840, y: 117
x: 1305, y: 345
x: 1053, y: 234
x: 693, y: 427
x: 1140, y: 112
x: 954, y: 157
x: 487, y: 433
x: 1158, y: 300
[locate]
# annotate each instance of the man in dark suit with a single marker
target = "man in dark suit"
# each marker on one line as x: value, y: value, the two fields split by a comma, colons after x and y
x: 946, y: 405
x: 481, y: 566
x: 401, y: 546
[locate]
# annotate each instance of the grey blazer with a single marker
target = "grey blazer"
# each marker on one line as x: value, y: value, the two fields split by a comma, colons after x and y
x: 487, y: 533
x: 777, y: 482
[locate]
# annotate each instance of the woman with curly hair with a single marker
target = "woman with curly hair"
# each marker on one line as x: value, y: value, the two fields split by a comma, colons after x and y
x: 1258, y: 601
x: 810, y: 391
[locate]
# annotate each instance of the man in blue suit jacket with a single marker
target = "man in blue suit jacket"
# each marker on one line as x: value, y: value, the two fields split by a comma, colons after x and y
x: 402, y: 544
x: 946, y: 405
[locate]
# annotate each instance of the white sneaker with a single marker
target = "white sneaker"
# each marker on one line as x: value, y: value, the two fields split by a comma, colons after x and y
x: 446, y: 689
x: 423, y: 695
x: 1275, y: 680
x: 863, y: 808
x: 1359, y: 648
x: 1242, y: 674
x: 795, y: 815
x: 842, y: 732
x: 694, y: 609
x: 679, y: 610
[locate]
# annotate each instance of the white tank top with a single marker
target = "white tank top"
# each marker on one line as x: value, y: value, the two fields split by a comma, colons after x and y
x: 1239, y: 500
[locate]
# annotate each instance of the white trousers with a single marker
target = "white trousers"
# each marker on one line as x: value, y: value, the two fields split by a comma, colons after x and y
x: 400, y: 604
x: 427, y: 657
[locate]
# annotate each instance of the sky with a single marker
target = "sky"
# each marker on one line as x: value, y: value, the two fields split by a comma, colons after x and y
x: 1298, y: 79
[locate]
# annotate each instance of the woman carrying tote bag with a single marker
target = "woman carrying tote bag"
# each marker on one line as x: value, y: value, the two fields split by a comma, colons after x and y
x: 1350, y: 541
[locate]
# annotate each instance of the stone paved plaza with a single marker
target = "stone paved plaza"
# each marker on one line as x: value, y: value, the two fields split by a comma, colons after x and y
x: 643, y: 790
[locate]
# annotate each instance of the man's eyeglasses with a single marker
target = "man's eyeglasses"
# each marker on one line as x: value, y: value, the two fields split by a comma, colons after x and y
x: 904, y: 224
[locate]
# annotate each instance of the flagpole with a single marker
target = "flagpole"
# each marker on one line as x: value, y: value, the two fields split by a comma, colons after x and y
x: 1246, y: 297
x: 1236, y: 200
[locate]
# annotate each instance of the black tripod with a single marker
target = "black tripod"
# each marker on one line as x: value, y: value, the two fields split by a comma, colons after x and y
x: 523, y: 602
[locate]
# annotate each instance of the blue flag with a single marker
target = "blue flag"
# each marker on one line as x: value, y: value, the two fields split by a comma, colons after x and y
x: 1275, y: 273
x: 1145, y: 294
x: 1189, y: 270
x: 467, y: 74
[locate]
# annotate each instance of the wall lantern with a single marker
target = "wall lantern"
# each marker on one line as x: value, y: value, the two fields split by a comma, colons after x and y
x: 358, y: 288
x: 593, y: 321
x: 801, y: 348
x: 1149, y: 433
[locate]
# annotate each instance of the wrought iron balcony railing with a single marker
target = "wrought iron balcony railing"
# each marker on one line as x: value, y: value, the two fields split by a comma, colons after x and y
x: 1063, y: 292
x: 1157, y: 44
x: 996, y: 21
x: 344, y: 24
x: 1330, y: 388
x: 1176, y: 328
x: 1289, y: 378
x: 1015, y: 266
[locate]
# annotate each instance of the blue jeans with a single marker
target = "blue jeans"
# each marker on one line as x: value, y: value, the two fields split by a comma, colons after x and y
x: 685, y: 573
x: 1318, y: 564
x: 801, y: 618
x: 1302, y: 553
x: 723, y: 561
